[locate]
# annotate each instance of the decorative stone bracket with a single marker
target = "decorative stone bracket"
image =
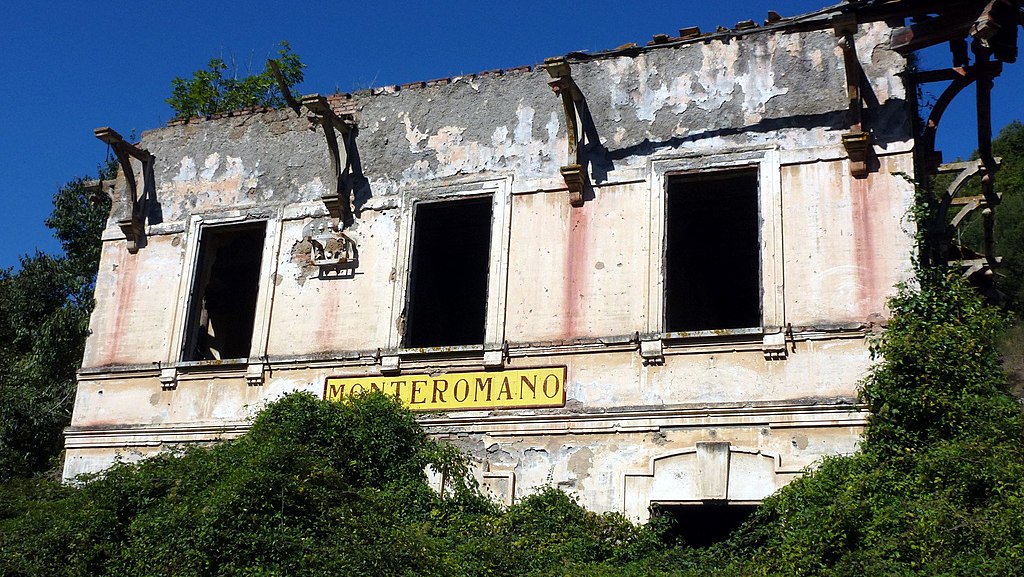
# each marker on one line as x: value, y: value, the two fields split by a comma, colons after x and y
x: 255, y: 373
x: 857, y: 142
x: 337, y: 201
x: 577, y: 117
x: 168, y: 378
x: 652, y: 351
x: 390, y: 364
x: 133, y: 220
x: 495, y: 356
x: 774, y: 345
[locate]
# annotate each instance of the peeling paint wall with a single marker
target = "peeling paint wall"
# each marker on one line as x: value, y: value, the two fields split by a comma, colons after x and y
x: 580, y: 287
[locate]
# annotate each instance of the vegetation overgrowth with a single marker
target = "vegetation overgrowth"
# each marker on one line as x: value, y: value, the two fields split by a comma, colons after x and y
x: 44, y: 319
x: 211, y: 90
x: 320, y: 488
x: 317, y: 488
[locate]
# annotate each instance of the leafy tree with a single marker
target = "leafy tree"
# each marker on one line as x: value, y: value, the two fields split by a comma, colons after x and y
x: 44, y: 317
x: 209, y: 91
x: 1009, y: 232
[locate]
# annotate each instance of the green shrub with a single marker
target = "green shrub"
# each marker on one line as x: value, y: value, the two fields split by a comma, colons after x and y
x: 319, y: 488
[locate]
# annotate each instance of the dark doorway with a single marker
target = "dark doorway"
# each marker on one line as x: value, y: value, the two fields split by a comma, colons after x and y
x: 712, y: 257
x: 703, y: 525
x: 223, y: 301
x: 448, y: 280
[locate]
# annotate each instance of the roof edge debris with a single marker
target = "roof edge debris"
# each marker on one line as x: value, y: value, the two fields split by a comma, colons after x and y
x: 866, y: 10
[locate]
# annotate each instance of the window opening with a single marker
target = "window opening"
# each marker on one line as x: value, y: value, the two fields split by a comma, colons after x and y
x: 702, y: 525
x: 224, y: 292
x: 713, y: 271
x: 448, y: 278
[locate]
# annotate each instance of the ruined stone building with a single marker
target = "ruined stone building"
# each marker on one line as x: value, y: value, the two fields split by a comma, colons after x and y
x: 648, y: 276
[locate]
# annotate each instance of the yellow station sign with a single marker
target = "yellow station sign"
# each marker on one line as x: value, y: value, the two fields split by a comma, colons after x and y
x: 520, y: 388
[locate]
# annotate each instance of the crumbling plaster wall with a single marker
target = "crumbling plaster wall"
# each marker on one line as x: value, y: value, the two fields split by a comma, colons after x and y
x: 777, y: 90
x: 784, y: 89
x: 574, y: 274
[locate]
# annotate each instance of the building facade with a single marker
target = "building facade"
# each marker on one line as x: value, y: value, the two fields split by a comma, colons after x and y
x: 648, y: 276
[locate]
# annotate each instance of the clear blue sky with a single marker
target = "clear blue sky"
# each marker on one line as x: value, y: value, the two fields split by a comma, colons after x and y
x: 67, y: 67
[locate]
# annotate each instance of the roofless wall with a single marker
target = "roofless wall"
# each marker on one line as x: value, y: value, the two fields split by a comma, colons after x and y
x: 652, y: 286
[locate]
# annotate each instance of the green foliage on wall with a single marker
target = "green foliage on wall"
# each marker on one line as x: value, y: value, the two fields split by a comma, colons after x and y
x: 936, y: 487
x: 44, y: 319
x: 320, y: 488
x: 315, y: 488
x: 210, y: 91
x: 1009, y: 228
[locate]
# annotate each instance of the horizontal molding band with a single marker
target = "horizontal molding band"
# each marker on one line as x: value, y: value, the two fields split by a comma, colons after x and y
x: 637, y: 420
x: 413, y: 360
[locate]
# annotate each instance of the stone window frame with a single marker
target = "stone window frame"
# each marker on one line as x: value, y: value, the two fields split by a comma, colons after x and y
x: 500, y: 191
x: 767, y: 162
x: 190, y: 264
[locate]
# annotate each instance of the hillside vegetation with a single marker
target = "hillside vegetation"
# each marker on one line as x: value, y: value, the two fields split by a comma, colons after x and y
x: 319, y: 488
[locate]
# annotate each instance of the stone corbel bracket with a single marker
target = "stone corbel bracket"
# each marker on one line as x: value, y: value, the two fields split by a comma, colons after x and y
x: 255, y: 373
x: 338, y: 201
x: 857, y: 142
x: 133, y: 221
x: 168, y: 378
x: 495, y: 356
x: 774, y: 345
x: 652, y: 350
x: 573, y: 105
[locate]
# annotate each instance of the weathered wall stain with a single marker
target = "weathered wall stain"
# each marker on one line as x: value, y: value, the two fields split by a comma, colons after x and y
x: 580, y: 287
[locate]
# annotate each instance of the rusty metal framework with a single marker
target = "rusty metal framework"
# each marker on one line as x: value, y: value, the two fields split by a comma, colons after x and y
x: 133, y: 224
x: 988, y: 31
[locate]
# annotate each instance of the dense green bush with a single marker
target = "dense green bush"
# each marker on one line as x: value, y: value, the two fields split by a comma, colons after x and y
x: 315, y: 488
x: 319, y: 488
x: 936, y: 488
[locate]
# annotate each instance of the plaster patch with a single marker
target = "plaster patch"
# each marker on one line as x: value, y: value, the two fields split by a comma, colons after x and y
x: 524, y: 126
x: 186, y: 170
x: 312, y: 189
x: 552, y: 127
x: 499, y: 135
x: 210, y: 166
x: 413, y: 134
x: 233, y: 167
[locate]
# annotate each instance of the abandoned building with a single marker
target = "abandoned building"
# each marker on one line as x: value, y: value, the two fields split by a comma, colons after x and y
x: 648, y: 276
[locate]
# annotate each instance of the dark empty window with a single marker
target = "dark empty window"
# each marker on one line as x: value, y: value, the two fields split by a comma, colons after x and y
x: 223, y: 300
x: 702, y: 525
x: 712, y: 256
x: 448, y: 282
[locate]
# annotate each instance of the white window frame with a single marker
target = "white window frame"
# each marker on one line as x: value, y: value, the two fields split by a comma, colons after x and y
x: 500, y: 191
x: 190, y: 265
x: 769, y: 175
